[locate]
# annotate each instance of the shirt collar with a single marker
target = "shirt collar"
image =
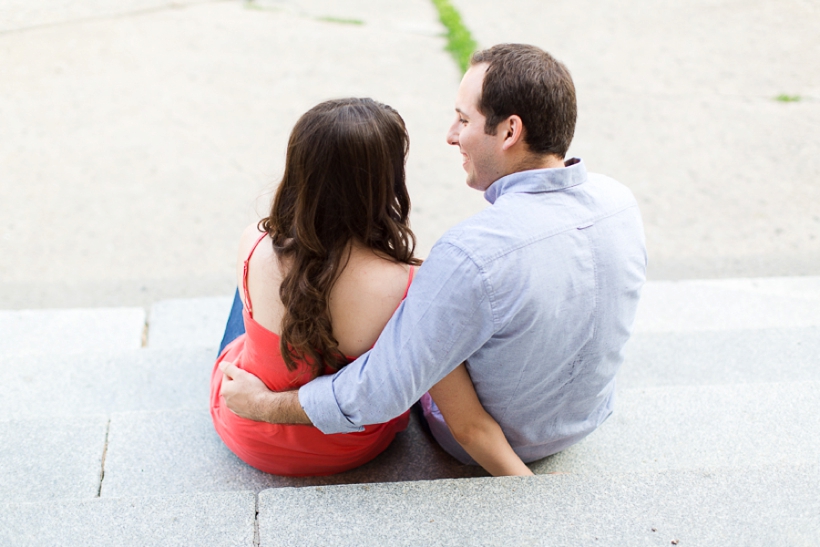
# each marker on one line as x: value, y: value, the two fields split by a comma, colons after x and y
x: 539, y: 180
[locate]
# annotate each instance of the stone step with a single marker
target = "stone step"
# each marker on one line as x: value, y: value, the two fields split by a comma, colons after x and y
x: 666, y: 306
x: 177, y: 452
x: 138, y: 413
x: 768, y: 506
x: 101, y: 382
x: 700, y: 427
x: 721, y: 357
x: 70, y: 331
x: 51, y: 458
x: 215, y: 519
x: 729, y: 304
x: 173, y: 453
x: 188, y: 322
x: 652, y: 429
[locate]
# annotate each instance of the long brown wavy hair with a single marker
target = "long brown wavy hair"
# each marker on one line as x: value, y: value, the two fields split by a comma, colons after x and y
x: 344, y: 181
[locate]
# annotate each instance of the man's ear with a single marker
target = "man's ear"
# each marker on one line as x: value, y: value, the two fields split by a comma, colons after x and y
x: 514, y: 131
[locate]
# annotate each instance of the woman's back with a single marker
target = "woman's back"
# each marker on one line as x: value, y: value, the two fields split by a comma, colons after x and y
x: 362, y: 300
x: 321, y: 277
x: 367, y: 292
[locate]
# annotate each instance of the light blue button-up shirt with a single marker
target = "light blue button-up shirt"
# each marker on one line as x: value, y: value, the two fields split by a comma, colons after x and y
x: 537, y: 293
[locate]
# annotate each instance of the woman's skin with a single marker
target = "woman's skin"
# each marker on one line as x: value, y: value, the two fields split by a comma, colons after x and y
x: 362, y: 300
x: 369, y: 289
x: 475, y: 430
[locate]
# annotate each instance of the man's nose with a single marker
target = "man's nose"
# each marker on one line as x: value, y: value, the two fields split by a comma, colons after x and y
x: 452, y: 135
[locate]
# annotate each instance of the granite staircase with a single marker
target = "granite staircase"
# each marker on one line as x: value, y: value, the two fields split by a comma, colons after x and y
x: 105, y: 439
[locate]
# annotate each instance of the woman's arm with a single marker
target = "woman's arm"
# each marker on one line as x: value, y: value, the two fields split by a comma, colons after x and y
x: 474, y: 429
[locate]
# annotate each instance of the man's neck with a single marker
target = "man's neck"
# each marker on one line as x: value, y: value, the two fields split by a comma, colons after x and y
x: 532, y: 161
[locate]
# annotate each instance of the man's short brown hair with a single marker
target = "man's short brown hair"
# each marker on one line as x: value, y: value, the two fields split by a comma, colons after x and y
x: 527, y: 81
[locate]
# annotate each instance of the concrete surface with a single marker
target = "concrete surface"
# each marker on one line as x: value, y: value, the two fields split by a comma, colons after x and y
x: 51, y: 458
x: 706, y: 440
x: 103, y: 382
x: 216, y: 519
x: 653, y: 429
x: 171, y: 452
x: 155, y: 131
x: 700, y: 427
x: 19, y: 15
x: 666, y: 306
x: 722, y: 357
x: 757, y: 508
x: 157, y: 136
x: 70, y: 331
x: 729, y: 304
x: 179, y: 452
x: 188, y: 322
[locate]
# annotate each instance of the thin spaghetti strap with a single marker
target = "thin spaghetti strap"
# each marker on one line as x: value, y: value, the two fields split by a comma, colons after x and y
x: 248, y: 305
x: 407, y: 288
x: 409, y: 281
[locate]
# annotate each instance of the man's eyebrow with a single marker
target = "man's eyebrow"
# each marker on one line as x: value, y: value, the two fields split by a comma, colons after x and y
x: 460, y: 111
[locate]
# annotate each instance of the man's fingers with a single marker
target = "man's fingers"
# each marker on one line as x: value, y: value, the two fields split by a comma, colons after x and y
x: 241, y: 391
x: 228, y: 369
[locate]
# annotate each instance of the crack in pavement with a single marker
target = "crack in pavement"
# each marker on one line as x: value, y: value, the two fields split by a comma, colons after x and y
x: 111, y: 16
x: 102, y: 460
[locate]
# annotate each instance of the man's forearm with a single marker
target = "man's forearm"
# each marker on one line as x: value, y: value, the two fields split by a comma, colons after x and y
x: 247, y: 396
x: 281, y: 408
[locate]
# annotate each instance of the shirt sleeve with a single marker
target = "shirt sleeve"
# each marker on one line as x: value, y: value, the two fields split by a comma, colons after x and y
x: 446, y: 317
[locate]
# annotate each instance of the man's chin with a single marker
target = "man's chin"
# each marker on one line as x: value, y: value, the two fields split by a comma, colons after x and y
x: 475, y: 183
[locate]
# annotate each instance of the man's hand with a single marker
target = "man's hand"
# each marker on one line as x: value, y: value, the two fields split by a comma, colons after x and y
x: 243, y: 392
x: 248, y: 397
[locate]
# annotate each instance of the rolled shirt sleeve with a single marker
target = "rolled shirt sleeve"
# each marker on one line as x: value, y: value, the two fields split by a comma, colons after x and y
x: 446, y: 317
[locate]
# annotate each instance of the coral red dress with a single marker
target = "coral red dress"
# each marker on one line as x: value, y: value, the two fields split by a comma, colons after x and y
x: 295, y: 450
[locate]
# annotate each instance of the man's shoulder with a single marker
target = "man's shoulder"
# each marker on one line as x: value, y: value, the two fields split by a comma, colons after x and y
x: 472, y: 233
x: 610, y: 188
x: 517, y: 217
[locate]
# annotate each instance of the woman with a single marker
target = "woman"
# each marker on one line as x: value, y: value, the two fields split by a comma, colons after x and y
x: 320, y: 277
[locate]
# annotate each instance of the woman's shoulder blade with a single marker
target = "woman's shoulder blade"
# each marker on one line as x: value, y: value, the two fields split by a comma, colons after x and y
x: 363, y: 300
x: 373, y: 277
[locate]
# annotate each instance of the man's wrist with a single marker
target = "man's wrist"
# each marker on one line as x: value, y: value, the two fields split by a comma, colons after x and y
x: 263, y: 405
x: 281, y: 407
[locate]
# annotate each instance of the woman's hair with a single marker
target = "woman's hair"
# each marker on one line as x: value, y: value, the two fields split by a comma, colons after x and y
x: 344, y: 181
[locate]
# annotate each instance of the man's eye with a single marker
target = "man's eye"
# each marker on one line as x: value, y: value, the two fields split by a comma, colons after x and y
x: 462, y: 120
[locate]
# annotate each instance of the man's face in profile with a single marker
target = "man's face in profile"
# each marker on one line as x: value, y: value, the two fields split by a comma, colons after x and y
x: 480, y: 152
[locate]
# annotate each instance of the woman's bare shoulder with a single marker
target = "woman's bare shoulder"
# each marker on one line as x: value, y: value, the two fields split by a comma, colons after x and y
x: 250, y: 235
x: 364, y: 298
x: 368, y: 274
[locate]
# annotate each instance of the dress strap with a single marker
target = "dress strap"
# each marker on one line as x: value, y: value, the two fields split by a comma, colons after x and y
x: 409, y: 281
x: 248, y: 305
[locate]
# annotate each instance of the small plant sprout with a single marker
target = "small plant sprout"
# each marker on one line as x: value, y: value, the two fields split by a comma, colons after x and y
x: 460, y: 42
x: 340, y: 20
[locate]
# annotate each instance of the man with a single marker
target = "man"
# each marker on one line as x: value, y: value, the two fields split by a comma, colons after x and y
x: 537, y: 293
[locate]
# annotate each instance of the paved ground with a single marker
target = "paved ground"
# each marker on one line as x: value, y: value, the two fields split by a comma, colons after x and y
x: 135, y: 147
x: 138, y: 138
